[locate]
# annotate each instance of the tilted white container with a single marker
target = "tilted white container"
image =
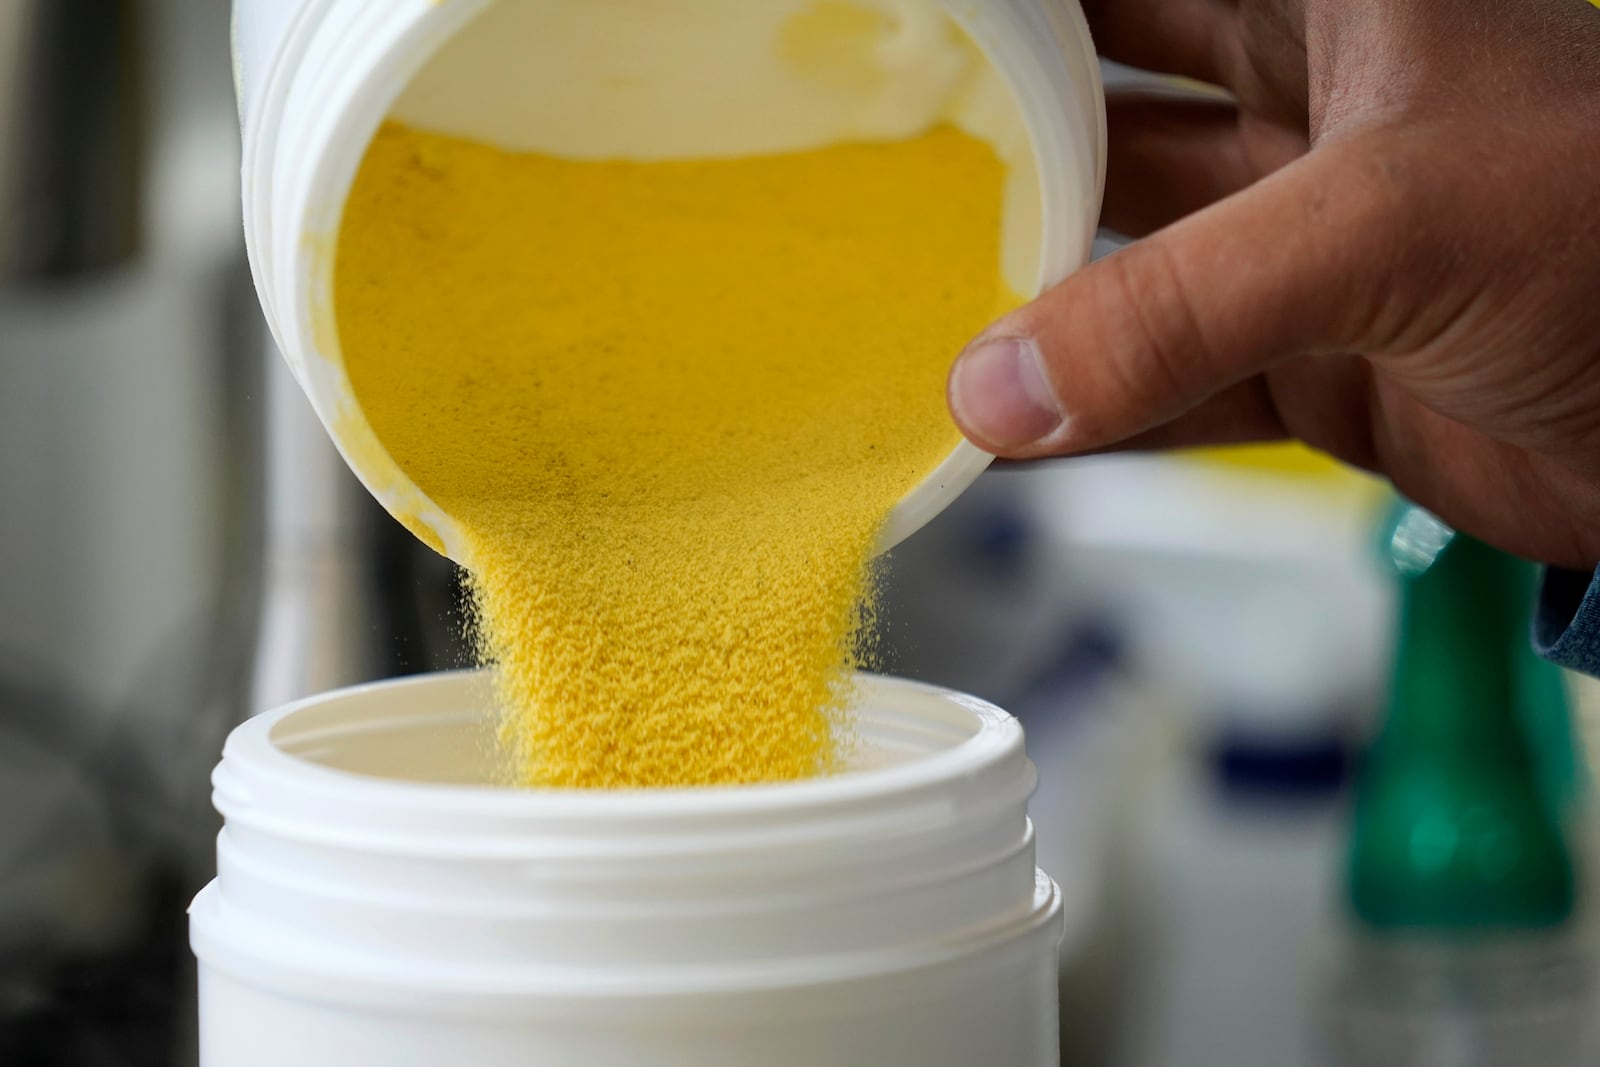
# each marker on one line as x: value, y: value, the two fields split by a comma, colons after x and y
x: 316, y: 78
x: 378, y: 904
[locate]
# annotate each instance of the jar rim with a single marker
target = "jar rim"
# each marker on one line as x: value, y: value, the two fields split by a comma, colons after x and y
x: 257, y: 749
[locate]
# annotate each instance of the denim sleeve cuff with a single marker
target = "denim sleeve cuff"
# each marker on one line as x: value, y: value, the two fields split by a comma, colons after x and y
x: 1566, y: 623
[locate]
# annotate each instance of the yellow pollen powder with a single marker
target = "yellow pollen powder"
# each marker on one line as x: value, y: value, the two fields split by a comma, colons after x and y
x: 669, y: 406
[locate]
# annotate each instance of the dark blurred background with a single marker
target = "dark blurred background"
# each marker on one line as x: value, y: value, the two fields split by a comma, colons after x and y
x: 1197, y: 645
x: 145, y: 605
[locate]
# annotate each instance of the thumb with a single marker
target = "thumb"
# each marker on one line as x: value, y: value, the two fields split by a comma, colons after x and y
x: 1297, y: 263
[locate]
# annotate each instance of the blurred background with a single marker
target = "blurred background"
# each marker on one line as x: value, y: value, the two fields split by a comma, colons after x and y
x: 1201, y: 647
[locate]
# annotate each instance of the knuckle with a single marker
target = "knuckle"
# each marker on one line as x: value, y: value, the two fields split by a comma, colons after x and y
x: 1162, y: 351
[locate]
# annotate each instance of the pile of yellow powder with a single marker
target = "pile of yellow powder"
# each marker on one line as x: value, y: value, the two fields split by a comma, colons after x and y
x: 669, y: 406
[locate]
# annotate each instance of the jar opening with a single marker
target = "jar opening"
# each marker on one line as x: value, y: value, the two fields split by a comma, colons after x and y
x: 440, y: 730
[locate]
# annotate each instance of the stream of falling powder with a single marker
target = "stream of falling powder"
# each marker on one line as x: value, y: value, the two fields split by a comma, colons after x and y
x: 670, y: 406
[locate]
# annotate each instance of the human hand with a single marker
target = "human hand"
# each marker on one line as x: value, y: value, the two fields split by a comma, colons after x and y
x: 1389, y: 248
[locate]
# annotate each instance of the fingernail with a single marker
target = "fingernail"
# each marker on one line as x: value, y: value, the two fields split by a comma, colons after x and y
x: 998, y: 392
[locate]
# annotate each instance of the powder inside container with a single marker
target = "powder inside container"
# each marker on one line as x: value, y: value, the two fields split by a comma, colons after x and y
x: 669, y: 405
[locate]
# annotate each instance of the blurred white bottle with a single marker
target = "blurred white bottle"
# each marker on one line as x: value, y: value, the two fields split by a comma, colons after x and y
x: 1236, y: 855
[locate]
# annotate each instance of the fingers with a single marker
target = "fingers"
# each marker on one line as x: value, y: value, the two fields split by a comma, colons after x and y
x: 1194, y: 38
x: 1170, y: 156
x: 1240, y: 414
x: 1291, y: 265
x: 1327, y: 402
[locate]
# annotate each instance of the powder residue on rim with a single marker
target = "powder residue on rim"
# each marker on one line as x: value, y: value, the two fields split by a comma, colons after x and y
x: 669, y: 405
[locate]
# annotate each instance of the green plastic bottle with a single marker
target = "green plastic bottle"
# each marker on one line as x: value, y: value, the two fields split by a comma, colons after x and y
x: 1463, y: 948
x: 1461, y: 802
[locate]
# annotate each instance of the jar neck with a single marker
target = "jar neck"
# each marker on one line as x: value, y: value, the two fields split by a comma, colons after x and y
x: 868, y: 864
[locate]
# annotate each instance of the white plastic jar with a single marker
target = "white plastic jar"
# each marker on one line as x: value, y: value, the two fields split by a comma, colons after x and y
x: 317, y: 77
x: 377, y: 903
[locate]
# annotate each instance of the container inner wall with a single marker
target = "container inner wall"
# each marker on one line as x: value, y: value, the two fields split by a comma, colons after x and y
x: 709, y: 79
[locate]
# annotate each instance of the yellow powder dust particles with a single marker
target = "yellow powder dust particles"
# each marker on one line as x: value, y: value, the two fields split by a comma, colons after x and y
x: 669, y: 405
